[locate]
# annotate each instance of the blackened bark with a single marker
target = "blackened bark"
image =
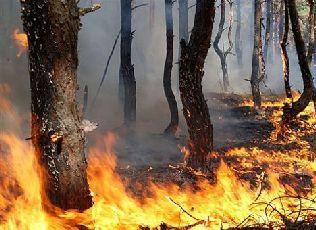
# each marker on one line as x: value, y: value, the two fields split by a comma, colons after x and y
x: 221, y: 53
x: 195, y: 109
x: 298, y: 106
x: 284, y: 55
x: 257, y: 49
x: 126, y: 68
x: 52, y: 28
x: 238, y: 42
x: 311, y: 32
x: 174, y: 116
x: 268, y: 28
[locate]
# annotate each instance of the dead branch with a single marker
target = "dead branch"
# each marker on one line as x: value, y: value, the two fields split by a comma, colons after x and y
x: 86, y: 10
x: 186, y: 212
x: 107, y: 67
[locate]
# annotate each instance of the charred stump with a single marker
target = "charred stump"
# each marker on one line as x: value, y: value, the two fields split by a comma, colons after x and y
x: 174, y: 116
x: 52, y: 28
x: 284, y: 55
x: 127, y: 77
x: 298, y: 106
x: 195, y: 110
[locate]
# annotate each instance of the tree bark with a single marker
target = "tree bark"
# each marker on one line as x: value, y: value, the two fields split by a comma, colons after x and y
x: 298, y: 106
x: 126, y: 68
x: 221, y: 53
x: 174, y: 116
x: 195, y: 110
x: 257, y: 50
x: 268, y: 28
x: 52, y: 28
x: 238, y: 42
x: 284, y: 55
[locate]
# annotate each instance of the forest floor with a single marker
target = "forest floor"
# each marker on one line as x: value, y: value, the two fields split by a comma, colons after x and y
x: 242, y: 140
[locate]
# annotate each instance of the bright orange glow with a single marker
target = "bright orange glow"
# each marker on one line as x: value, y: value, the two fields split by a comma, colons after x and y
x: 226, y: 203
x: 21, y: 42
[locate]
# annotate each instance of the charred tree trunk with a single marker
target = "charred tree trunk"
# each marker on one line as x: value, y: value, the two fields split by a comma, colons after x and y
x: 238, y: 42
x: 268, y: 29
x: 56, y: 124
x: 221, y: 53
x: 284, y: 55
x: 126, y: 68
x: 195, y: 110
x: 311, y: 33
x: 257, y: 50
x: 298, y: 106
x: 174, y: 116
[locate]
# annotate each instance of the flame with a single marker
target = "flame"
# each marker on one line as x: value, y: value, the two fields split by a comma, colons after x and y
x: 227, y: 203
x: 21, y: 41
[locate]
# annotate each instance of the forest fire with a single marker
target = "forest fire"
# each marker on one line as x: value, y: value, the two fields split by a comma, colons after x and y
x: 20, y: 40
x: 248, y: 152
x: 233, y: 201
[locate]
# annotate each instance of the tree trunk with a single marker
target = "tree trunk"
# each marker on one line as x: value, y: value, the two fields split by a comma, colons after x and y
x: 268, y: 28
x: 218, y: 51
x: 311, y: 28
x: 298, y: 106
x: 174, y: 116
x: 126, y: 68
x: 284, y: 55
x: 56, y: 124
x: 257, y: 49
x: 238, y: 42
x: 195, y: 109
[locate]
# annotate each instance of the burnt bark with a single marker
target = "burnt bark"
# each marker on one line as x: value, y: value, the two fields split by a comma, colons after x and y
x: 52, y: 28
x: 126, y: 67
x: 221, y: 53
x: 195, y: 110
x: 298, y: 106
x: 174, y: 116
x: 284, y: 55
x: 268, y: 28
x: 238, y: 42
x: 256, y: 59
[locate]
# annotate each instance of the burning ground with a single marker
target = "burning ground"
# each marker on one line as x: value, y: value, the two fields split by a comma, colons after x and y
x: 263, y: 179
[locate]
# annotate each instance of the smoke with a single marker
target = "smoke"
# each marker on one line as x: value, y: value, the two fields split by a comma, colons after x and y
x: 96, y: 39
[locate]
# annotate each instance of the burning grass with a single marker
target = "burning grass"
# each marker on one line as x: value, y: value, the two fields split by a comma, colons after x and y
x: 265, y: 186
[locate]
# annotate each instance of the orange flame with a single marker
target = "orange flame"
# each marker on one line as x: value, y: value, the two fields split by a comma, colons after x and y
x: 227, y: 203
x: 21, y: 41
